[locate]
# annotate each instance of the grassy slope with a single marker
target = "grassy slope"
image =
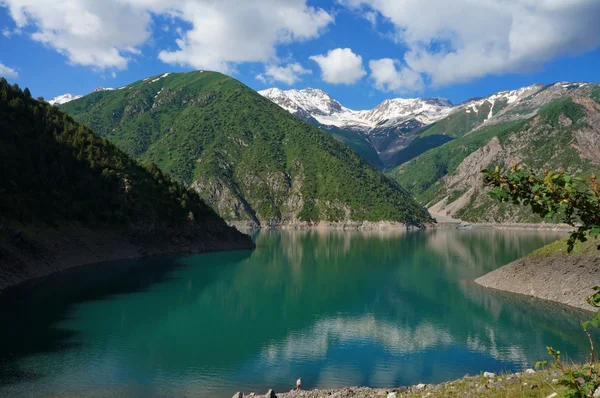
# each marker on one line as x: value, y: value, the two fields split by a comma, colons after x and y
x: 205, y: 125
x: 419, y: 175
x: 358, y: 142
x: 549, y: 146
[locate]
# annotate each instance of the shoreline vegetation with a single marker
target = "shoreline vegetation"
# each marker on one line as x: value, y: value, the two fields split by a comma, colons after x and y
x: 529, y: 383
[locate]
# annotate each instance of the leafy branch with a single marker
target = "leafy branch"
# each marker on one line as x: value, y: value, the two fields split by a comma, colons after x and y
x: 572, y: 200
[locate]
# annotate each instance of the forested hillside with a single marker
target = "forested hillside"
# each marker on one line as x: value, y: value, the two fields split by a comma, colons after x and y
x: 57, y: 173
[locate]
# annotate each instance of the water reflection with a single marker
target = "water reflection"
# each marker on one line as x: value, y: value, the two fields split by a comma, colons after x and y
x: 337, y: 308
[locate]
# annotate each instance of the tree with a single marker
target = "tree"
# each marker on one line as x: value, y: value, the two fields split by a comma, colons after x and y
x: 554, y: 196
x: 574, y: 201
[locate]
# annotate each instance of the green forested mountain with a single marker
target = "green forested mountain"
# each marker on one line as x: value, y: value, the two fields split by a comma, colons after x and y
x: 247, y: 157
x: 55, y: 171
x: 556, y: 126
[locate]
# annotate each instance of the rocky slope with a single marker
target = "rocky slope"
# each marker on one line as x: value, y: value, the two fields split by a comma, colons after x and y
x: 550, y: 273
x: 249, y: 159
x: 68, y: 197
x: 552, y: 127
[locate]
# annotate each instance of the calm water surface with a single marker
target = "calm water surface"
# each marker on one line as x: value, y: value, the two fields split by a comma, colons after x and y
x: 338, y: 309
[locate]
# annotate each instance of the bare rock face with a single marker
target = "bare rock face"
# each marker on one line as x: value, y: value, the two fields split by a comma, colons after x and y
x: 467, y: 178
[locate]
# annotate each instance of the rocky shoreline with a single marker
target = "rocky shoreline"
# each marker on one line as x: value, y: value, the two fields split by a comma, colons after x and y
x: 543, y: 383
x: 36, y: 251
x: 328, y: 225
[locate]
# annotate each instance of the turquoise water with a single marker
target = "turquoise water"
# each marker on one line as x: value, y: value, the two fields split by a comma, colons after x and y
x: 337, y: 309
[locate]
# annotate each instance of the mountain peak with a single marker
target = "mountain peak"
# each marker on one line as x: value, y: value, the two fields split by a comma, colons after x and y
x: 63, y: 99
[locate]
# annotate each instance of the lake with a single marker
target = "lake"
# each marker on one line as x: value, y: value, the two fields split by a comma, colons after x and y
x: 338, y: 309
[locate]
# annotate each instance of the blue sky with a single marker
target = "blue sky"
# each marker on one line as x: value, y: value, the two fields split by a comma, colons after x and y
x: 360, y: 51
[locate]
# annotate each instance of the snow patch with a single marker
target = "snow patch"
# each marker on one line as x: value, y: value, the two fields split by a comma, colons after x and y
x: 63, y: 99
x: 160, y: 77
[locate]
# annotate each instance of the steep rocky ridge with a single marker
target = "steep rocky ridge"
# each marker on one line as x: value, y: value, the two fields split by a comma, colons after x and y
x: 249, y: 159
x: 556, y: 127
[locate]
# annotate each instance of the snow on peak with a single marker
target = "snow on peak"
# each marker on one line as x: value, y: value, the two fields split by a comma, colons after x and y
x: 508, y: 97
x: 317, y: 104
x: 426, y: 110
x: 308, y: 100
x: 103, y: 89
x: 63, y: 99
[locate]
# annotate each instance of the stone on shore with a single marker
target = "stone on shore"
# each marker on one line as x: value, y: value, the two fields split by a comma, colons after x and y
x: 271, y: 394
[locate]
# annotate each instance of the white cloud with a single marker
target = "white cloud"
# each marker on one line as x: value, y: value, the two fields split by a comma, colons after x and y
x: 229, y: 32
x: 88, y: 32
x: 463, y: 40
x: 289, y: 74
x: 5, y: 71
x: 216, y: 35
x: 389, y: 75
x: 340, y: 66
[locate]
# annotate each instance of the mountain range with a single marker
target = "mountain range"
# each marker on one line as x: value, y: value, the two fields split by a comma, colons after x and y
x: 252, y: 161
x: 383, y: 135
x: 541, y: 127
x: 433, y: 148
x: 437, y: 150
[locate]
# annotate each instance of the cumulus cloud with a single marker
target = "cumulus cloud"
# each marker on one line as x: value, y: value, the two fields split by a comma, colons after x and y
x: 88, y: 32
x: 5, y: 71
x: 289, y: 74
x: 388, y: 75
x: 215, y: 35
x: 230, y: 31
x: 467, y: 39
x: 340, y: 66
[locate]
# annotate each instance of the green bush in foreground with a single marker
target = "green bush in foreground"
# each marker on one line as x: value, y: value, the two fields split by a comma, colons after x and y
x: 574, y: 201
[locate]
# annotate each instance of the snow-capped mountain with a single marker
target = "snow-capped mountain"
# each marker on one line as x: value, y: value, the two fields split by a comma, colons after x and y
x: 503, y: 98
x: 63, y: 99
x: 382, y: 134
x: 315, y: 104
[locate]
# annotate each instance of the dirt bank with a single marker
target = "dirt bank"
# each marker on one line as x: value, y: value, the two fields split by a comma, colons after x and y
x: 551, y: 274
x: 38, y: 250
